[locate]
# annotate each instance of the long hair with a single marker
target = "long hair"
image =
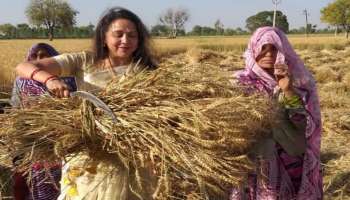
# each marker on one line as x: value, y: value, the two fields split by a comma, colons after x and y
x: 142, y: 53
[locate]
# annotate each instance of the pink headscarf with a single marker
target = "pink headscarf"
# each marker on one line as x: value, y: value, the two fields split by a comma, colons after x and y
x: 304, y: 85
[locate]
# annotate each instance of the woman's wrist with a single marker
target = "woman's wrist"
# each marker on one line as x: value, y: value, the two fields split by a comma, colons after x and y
x: 34, y: 72
x: 42, y: 76
x: 50, y: 78
x: 289, y: 93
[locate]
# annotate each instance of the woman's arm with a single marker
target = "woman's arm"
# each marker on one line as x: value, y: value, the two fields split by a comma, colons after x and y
x: 47, y: 66
x: 289, y: 131
x: 291, y: 136
x: 45, y: 71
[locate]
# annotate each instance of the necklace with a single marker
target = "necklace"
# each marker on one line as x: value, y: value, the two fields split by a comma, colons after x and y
x: 110, y: 68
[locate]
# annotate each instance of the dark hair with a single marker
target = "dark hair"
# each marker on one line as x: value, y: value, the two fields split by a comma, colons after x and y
x: 142, y: 53
x: 36, y: 47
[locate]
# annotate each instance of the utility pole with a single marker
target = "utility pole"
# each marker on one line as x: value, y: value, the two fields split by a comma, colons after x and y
x: 275, y: 2
x: 306, y: 13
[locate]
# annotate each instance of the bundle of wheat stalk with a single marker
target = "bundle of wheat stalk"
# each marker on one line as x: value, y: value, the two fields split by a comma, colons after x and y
x: 186, y: 121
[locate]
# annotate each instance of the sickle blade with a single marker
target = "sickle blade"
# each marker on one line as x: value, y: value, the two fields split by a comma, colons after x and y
x: 96, y: 101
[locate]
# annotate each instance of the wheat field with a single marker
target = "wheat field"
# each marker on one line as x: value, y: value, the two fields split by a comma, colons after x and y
x: 13, y: 52
x: 327, y: 57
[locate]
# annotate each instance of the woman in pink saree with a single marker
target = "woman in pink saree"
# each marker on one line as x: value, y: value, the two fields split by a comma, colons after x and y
x: 288, y: 164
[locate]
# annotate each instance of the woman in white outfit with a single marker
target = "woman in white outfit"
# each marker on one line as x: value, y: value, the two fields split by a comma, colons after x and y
x: 120, y: 40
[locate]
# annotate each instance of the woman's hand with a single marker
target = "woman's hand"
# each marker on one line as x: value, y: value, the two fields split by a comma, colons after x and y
x: 284, y: 79
x: 57, y: 88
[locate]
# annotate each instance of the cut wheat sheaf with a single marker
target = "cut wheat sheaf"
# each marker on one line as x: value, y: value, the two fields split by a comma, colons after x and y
x: 188, y: 123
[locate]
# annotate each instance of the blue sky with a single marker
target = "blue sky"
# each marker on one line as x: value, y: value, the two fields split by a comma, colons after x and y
x: 232, y: 13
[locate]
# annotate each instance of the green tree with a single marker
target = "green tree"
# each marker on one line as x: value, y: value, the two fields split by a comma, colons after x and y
x: 265, y: 18
x: 219, y: 27
x: 208, y: 31
x: 86, y: 31
x: 160, y: 30
x: 337, y: 14
x: 196, y: 30
x: 51, y: 14
x: 230, y: 31
x: 24, y: 31
x: 8, y: 31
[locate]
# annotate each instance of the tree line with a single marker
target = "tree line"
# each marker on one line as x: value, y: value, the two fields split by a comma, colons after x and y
x: 25, y: 31
x: 56, y: 18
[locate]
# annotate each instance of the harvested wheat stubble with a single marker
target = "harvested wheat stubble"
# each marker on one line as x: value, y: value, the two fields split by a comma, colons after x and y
x: 325, y: 74
x: 335, y: 153
x: 186, y: 121
x: 346, y: 79
x: 196, y: 55
x: 335, y: 95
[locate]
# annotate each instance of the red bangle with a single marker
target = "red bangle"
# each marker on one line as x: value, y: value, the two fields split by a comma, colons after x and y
x: 34, y: 72
x: 49, y: 78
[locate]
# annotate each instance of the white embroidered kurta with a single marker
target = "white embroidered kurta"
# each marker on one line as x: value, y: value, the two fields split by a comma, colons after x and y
x: 83, y: 178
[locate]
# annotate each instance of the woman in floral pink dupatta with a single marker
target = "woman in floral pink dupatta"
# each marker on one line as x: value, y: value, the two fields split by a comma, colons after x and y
x: 280, y: 183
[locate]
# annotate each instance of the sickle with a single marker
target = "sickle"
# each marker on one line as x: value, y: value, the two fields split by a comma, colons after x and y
x: 96, y: 101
